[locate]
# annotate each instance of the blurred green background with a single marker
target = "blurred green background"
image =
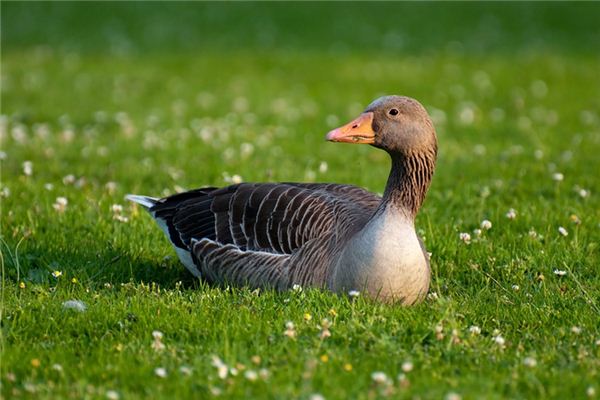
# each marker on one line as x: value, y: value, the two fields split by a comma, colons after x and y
x: 393, y: 29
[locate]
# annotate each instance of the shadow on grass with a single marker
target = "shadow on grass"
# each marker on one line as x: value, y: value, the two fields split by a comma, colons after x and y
x: 37, y: 264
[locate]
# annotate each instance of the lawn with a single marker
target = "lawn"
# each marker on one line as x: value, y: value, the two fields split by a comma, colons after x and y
x: 102, y: 100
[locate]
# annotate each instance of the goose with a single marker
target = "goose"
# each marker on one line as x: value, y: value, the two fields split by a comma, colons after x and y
x: 325, y: 235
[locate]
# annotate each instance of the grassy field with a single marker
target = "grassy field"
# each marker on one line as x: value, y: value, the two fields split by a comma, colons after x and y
x: 101, y: 100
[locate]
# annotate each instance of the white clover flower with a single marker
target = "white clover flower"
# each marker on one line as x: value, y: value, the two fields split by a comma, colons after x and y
x: 562, y: 231
x: 251, y: 375
x: 160, y: 372
x: 515, y: 288
x: 590, y: 391
x: 290, y: 330
x: 185, y: 370
x: 529, y: 362
x: 583, y: 193
x: 532, y: 233
x: 57, y: 367
x: 316, y: 396
x: 235, y: 179
x: 75, y: 305
x: 296, y: 288
x: 511, y: 214
x: 465, y: 237
x: 116, y: 208
x: 112, y: 395
x: 221, y: 367
x: 28, y: 168
x: 499, y: 340
x: 354, y: 293
x: 453, y: 396
x: 407, y: 366
x: 477, y: 232
x: 379, y: 377
x: 69, y: 179
x: 560, y: 272
x: 576, y: 330
x: 157, y: 335
x: 60, y: 205
x: 486, y: 225
x: 558, y: 177
x: 264, y: 374
x: 474, y: 330
x: 323, y: 167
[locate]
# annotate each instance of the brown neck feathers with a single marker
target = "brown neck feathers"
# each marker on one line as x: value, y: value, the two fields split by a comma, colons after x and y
x: 409, y: 180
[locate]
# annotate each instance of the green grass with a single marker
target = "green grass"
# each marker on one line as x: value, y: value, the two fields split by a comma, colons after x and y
x: 156, y: 99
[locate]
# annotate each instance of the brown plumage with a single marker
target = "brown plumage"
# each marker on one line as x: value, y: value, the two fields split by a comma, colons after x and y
x: 338, y: 237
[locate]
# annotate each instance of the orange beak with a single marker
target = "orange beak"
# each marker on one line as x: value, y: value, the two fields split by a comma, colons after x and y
x: 358, y: 131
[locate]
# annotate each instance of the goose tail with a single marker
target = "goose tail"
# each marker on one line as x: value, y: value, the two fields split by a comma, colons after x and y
x: 145, y: 201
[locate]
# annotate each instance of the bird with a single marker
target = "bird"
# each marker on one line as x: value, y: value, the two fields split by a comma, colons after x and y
x: 329, y: 236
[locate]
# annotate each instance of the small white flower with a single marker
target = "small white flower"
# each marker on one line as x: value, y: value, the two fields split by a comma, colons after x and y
x: 560, y: 272
x: 354, y: 293
x: 379, y: 377
x: 529, y: 362
x: 532, y: 233
x: 474, y: 330
x: 290, y: 330
x: 160, y: 372
x: 2, y: 155
x: 296, y: 288
x: 453, y: 396
x: 263, y: 373
x: 185, y: 370
x: 515, y: 288
x: 558, y: 177
x: 157, y: 335
x: 583, y: 193
x: 323, y: 167
x: 562, y: 231
x: 116, y: 208
x: 110, y: 186
x: 251, y: 375
x: 222, y: 369
x: 75, y: 305
x: 499, y: 340
x: 69, y: 179
x: 28, y: 168
x: 235, y: 179
x: 57, y: 367
x: 477, y: 232
x: 112, y: 395
x: 48, y: 186
x: 590, y: 391
x: 407, y: 366
x: 432, y: 296
x: 576, y: 330
x: 57, y: 274
x: 465, y: 237
x: 486, y: 225
x: 511, y: 214
x: 316, y: 396
x: 60, y: 204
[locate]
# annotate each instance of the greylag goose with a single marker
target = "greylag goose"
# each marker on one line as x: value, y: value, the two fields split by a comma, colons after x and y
x: 324, y: 235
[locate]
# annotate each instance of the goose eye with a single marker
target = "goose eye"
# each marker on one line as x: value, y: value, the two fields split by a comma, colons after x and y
x: 393, y: 111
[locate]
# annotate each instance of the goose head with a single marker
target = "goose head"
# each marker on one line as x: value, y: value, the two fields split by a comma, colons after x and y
x: 397, y: 124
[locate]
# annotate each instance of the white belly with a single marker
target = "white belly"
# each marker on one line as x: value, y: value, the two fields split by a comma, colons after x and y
x: 386, y: 260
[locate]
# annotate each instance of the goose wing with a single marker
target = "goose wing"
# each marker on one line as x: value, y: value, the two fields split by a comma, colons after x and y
x: 274, y: 218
